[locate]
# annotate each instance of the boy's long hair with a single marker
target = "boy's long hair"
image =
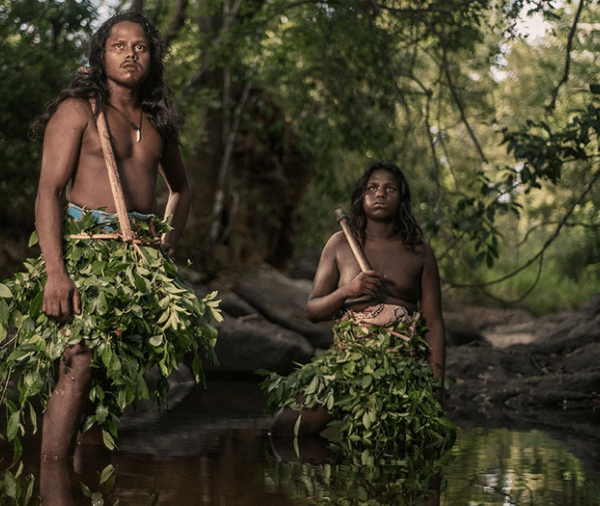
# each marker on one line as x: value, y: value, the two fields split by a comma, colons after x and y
x: 405, y: 223
x: 90, y: 82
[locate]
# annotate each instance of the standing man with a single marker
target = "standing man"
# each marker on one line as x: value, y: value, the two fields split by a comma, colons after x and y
x: 125, y: 79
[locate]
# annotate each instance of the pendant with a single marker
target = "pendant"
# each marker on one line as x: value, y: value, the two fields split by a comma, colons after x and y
x: 139, y: 134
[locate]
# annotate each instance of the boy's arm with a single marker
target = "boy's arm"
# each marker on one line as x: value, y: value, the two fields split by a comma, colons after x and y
x: 431, y: 307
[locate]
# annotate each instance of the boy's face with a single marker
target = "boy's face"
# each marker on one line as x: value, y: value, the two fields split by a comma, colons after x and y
x: 127, y: 55
x: 382, y: 196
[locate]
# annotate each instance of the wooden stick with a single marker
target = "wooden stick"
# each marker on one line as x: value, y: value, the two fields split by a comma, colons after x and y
x: 113, y: 175
x: 342, y: 219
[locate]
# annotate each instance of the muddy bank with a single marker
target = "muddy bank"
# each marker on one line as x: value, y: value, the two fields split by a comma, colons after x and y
x: 509, y: 369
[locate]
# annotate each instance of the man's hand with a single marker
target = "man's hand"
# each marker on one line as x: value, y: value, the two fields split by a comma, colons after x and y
x: 61, y: 298
x: 167, y: 247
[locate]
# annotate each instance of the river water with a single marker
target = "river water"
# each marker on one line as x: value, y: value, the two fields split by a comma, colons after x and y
x: 213, y: 449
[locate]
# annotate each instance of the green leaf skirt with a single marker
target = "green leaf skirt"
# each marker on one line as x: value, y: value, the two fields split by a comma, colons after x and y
x: 376, y: 382
x: 137, y: 313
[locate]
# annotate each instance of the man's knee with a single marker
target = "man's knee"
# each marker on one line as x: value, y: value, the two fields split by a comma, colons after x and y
x: 77, y: 360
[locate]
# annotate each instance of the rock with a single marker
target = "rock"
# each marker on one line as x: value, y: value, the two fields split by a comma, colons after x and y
x: 458, y: 336
x: 305, y: 265
x: 247, y: 344
x: 282, y: 300
x: 234, y: 305
x: 586, y: 358
x: 543, y: 372
x: 181, y: 383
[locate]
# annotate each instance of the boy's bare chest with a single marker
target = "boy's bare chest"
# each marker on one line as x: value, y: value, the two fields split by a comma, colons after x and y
x: 401, y: 266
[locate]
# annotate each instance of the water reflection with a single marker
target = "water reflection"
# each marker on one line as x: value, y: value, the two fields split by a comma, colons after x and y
x: 214, y: 451
x: 353, y: 479
x: 504, y: 467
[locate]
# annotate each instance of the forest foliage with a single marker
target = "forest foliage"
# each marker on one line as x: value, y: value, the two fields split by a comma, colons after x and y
x: 285, y: 103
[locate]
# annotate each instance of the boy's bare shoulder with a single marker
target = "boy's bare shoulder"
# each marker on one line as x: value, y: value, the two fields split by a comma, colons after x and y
x: 336, y: 241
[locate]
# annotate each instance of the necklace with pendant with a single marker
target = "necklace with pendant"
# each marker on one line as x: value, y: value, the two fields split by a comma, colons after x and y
x: 133, y: 125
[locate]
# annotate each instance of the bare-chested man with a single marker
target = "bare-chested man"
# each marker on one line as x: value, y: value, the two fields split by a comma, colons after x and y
x: 125, y: 79
x: 403, y: 273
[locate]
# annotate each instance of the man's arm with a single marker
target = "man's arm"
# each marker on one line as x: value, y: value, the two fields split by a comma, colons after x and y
x: 62, y: 144
x: 431, y: 307
x: 173, y: 171
x: 326, y: 298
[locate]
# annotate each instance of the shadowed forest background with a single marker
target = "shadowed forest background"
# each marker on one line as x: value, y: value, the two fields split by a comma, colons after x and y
x: 489, y: 107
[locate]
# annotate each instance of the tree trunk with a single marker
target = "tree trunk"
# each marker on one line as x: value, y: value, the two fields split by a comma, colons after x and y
x: 264, y: 185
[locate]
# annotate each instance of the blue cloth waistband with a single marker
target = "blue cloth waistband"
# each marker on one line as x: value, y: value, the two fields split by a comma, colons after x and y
x: 102, y: 217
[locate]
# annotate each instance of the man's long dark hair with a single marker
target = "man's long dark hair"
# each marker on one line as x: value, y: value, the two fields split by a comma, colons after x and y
x: 90, y: 82
x: 405, y: 223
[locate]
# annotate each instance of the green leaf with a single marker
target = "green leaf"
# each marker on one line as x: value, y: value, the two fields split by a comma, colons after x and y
x: 14, y: 423
x: 5, y: 291
x: 4, y: 314
x: 108, y: 441
x: 297, y: 425
x: 156, y: 340
x: 107, y: 473
x: 97, y: 499
x: 36, y: 305
x: 366, y: 420
x: 101, y: 413
x: 140, y: 283
x: 85, y: 490
x: 10, y: 485
x: 33, y: 417
x: 33, y: 239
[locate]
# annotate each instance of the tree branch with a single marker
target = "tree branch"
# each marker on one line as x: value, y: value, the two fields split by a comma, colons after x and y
x: 177, y: 21
x: 540, y: 254
x: 550, y: 107
x: 200, y: 75
x: 459, y: 103
x: 220, y: 193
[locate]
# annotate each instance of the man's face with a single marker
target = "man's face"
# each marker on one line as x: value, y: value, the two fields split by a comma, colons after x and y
x: 382, y: 196
x: 127, y: 55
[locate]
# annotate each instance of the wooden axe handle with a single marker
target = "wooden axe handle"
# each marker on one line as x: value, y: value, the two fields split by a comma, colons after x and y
x: 342, y: 219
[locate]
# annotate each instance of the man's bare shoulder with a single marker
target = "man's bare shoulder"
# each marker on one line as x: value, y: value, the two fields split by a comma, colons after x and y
x: 74, y: 112
x: 426, y: 249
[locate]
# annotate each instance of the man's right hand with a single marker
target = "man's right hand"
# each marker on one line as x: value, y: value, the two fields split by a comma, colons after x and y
x: 61, y: 298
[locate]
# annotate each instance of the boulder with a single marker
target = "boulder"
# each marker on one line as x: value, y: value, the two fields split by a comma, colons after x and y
x: 247, y: 344
x: 282, y: 300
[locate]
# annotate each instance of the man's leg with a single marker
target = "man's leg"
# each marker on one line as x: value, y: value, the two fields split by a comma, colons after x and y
x: 66, y: 406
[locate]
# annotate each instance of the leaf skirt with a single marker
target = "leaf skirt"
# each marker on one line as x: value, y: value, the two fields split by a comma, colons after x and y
x: 137, y: 313
x: 376, y: 382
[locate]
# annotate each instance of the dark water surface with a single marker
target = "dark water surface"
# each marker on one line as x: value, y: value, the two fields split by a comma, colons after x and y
x: 213, y: 449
